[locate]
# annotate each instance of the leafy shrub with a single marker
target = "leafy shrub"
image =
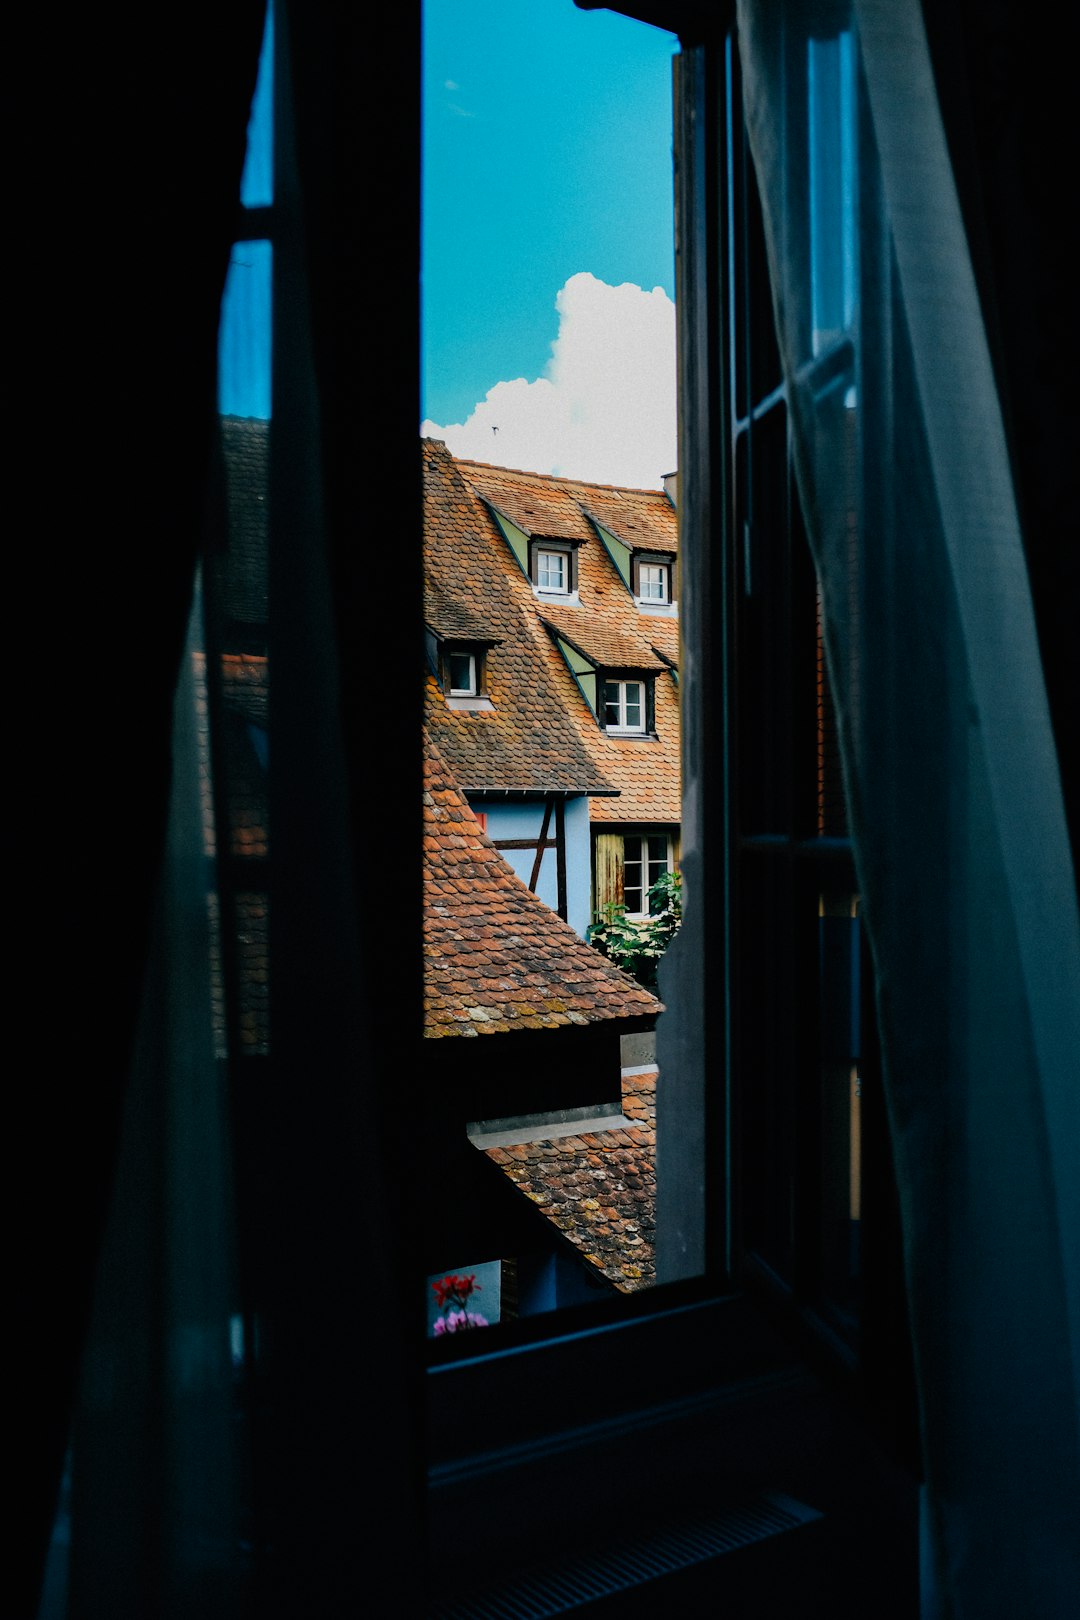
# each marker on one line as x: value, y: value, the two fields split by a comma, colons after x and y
x: 636, y: 944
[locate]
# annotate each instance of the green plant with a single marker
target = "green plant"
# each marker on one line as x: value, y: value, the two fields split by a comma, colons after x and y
x: 636, y: 944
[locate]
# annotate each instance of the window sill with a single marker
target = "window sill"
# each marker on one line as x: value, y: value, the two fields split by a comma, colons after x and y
x: 475, y: 705
x: 570, y: 598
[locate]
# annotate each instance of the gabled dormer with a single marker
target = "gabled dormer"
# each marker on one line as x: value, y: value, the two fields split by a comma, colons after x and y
x: 548, y: 561
x: 620, y: 693
x: 458, y: 658
x: 648, y: 574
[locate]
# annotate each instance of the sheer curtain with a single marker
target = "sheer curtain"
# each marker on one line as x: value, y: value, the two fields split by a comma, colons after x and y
x: 174, y: 1494
x: 156, y: 1501
x: 951, y: 774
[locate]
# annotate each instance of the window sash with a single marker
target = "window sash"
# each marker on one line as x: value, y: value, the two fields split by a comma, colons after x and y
x: 462, y: 674
x: 653, y: 582
x: 624, y: 705
x: 646, y: 859
x: 552, y: 571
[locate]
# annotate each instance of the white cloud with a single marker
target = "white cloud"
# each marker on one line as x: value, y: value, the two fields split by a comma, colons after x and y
x: 604, y: 410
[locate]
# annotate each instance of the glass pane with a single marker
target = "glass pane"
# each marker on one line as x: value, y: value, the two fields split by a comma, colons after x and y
x: 244, y: 335
x: 552, y: 572
x: 653, y: 582
x: 257, y: 182
x: 633, y: 703
x: 461, y: 672
x: 832, y: 188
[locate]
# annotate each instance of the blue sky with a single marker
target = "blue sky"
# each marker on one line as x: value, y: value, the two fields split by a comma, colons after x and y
x: 547, y: 156
x: 548, y: 253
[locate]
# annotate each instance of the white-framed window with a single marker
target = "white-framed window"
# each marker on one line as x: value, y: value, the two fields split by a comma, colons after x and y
x: 463, y: 673
x: 553, y: 571
x: 654, y: 582
x: 624, y: 706
x: 647, y: 857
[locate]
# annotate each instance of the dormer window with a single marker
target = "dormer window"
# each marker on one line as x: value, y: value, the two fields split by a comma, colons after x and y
x: 460, y: 667
x: 625, y: 704
x: 652, y: 578
x: 463, y: 673
x: 553, y: 570
x: 654, y: 582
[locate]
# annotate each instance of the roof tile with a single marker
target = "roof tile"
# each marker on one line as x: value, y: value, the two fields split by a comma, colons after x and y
x: 495, y: 957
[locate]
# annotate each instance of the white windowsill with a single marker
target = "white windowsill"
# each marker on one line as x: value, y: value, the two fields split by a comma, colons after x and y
x: 557, y: 596
x: 475, y: 704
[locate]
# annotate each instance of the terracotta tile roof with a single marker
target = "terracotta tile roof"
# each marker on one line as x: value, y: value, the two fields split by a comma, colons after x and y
x: 645, y: 520
x: 246, y: 686
x: 540, y: 506
x: 454, y: 619
x: 245, y: 693
x: 496, y: 959
x: 599, y: 1188
x: 243, y: 564
x: 608, y: 645
x: 646, y: 768
x: 559, y: 508
x: 528, y: 741
x: 524, y: 740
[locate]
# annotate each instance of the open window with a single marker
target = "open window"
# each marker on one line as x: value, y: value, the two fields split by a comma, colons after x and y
x: 779, y: 1106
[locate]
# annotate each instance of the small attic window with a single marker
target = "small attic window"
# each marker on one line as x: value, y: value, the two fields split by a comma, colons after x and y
x: 652, y: 580
x: 553, y: 570
x: 463, y: 673
x: 626, y: 706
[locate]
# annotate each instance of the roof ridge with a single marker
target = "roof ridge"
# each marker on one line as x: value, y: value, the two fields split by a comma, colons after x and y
x: 557, y: 478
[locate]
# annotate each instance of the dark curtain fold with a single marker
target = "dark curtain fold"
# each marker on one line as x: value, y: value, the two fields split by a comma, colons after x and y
x: 132, y: 129
x: 953, y: 773
x: 126, y: 136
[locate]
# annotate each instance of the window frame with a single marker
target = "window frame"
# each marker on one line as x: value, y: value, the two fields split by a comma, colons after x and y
x: 544, y: 547
x: 691, y: 1363
x: 702, y: 1186
x: 545, y: 556
x: 474, y: 688
x: 622, y: 683
x: 646, y: 863
x: 663, y: 561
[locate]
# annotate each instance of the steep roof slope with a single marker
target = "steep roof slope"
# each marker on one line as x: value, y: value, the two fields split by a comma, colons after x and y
x: 495, y: 957
x: 526, y: 741
x: 599, y: 1188
x: 469, y: 563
